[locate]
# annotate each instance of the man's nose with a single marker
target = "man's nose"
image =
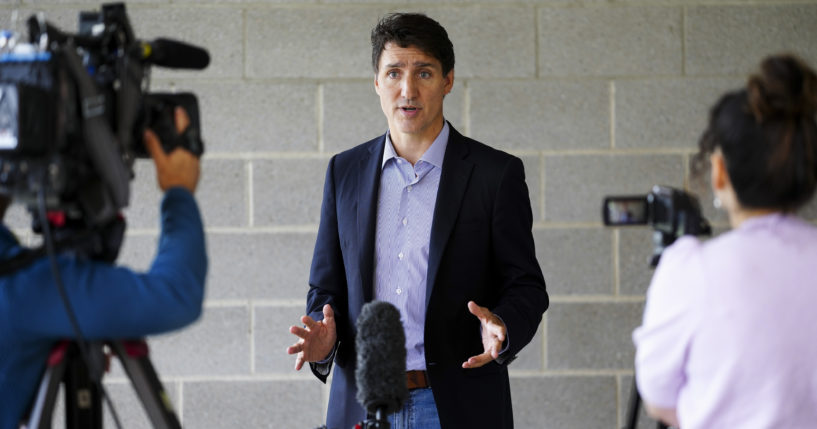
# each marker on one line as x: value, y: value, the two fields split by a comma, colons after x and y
x: 409, y: 88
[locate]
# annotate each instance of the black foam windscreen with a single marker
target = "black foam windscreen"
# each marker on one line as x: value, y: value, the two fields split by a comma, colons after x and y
x: 381, y: 358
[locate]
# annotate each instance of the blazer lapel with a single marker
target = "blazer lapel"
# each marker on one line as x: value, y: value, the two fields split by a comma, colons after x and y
x: 368, y: 180
x: 453, y: 182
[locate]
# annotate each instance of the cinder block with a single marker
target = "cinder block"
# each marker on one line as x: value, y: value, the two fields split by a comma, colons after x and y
x: 556, y: 402
x: 310, y: 43
x: 592, y: 335
x: 239, y: 116
x: 218, y: 29
x: 137, y: 251
x: 129, y: 407
x: 610, y: 41
x: 734, y: 39
x: 272, y: 337
x: 217, y: 344
x: 490, y: 42
x: 576, y: 261
x: 145, y: 197
x: 221, y: 194
x: 575, y: 185
x: 259, y: 265
x: 352, y: 113
x: 541, y: 115
x: 665, y: 113
x: 253, y: 404
x: 635, y: 251
x: 288, y: 191
x: 533, y: 179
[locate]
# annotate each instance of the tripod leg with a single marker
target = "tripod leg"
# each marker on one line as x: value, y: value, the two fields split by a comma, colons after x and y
x: 83, y: 405
x: 43, y: 409
x: 134, y: 358
x: 633, y: 406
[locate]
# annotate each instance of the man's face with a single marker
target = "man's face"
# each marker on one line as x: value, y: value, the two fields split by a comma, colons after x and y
x: 411, y: 87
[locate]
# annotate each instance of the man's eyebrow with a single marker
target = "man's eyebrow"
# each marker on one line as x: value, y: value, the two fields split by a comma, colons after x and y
x: 415, y: 64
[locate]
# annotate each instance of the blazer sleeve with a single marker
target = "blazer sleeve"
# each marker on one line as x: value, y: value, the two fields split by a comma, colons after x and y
x: 523, y: 297
x: 327, y: 277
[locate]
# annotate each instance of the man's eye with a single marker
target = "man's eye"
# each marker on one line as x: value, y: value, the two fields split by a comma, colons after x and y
x: 392, y: 74
x: 425, y: 75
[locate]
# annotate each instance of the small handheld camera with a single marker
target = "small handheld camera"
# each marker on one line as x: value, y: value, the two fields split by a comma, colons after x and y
x: 669, y: 211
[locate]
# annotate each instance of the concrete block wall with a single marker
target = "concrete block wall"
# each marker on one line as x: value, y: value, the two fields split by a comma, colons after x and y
x: 596, y: 97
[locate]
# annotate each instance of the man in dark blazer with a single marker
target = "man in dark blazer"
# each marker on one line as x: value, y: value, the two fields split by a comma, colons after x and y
x: 437, y: 224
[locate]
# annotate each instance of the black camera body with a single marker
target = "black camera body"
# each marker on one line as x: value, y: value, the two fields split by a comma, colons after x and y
x: 671, y: 212
x: 73, y: 109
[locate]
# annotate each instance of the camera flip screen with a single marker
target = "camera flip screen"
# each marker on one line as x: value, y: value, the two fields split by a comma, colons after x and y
x: 625, y: 210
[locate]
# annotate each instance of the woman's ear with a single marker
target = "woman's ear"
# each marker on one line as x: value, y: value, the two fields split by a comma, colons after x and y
x: 719, y: 174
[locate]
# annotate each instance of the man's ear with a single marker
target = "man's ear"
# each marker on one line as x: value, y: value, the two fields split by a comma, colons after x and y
x: 449, y: 82
x: 376, y: 85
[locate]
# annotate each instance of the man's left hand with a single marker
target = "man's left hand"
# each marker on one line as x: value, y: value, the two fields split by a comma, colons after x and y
x: 493, y: 336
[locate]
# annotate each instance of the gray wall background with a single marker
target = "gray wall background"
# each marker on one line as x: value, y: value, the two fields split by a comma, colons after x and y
x: 597, y: 98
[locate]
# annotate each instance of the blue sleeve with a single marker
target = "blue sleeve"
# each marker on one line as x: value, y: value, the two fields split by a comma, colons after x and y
x: 116, y: 302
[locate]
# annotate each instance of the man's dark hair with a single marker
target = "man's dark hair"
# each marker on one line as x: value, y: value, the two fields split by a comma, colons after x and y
x: 413, y: 29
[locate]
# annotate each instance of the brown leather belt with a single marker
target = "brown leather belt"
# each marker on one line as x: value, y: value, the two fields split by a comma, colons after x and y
x: 416, y: 379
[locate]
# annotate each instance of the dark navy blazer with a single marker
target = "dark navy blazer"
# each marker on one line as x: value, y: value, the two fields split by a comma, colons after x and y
x: 481, y: 249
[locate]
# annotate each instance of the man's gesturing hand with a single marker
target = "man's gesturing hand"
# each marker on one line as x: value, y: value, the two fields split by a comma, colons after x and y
x: 493, y: 335
x: 316, y: 339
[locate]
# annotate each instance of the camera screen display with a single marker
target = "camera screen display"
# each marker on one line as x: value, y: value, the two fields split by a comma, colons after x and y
x: 625, y: 210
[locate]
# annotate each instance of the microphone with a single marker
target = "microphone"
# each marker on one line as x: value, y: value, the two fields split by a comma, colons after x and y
x: 173, y: 54
x: 381, y: 360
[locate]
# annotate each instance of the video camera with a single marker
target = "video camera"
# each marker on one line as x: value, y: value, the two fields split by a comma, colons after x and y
x: 73, y: 109
x: 669, y: 211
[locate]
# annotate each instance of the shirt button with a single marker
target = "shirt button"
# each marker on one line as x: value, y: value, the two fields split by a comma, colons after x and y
x: 400, y: 255
x: 409, y: 188
x: 399, y: 291
x: 405, y: 221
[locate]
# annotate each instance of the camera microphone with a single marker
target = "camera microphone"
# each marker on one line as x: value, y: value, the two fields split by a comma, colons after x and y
x: 173, y: 54
x: 381, y: 359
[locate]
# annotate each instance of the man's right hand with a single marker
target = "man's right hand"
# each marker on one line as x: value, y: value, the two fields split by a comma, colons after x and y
x: 177, y: 168
x: 317, y: 339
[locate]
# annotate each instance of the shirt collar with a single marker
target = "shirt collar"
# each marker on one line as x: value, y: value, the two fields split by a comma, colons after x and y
x: 434, y: 154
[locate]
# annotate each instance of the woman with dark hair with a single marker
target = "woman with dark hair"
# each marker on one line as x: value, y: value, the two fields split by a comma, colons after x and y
x: 729, y: 336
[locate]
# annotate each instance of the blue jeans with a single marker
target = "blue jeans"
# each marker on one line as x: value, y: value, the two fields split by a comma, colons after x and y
x: 418, y: 412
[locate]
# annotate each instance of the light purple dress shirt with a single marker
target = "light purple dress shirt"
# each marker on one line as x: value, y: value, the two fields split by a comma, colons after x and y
x: 405, y: 208
x: 729, y: 336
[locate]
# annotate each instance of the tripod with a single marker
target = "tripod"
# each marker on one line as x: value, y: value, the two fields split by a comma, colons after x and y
x: 83, y: 399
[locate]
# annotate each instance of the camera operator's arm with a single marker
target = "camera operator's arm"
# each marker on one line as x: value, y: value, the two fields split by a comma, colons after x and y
x: 115, y: 302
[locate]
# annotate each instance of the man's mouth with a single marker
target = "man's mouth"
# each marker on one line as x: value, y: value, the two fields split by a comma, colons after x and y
x: 409, y: 108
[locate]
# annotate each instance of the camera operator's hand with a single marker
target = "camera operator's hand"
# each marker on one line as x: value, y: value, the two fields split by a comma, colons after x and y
x: 177, y: 168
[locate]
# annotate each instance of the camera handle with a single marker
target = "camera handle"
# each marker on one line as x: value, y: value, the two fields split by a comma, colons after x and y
x: 83, y: 405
